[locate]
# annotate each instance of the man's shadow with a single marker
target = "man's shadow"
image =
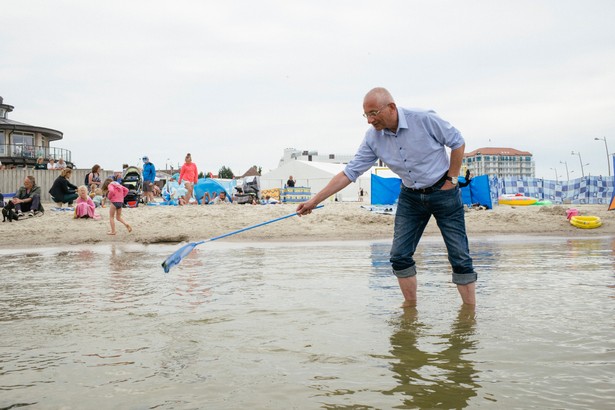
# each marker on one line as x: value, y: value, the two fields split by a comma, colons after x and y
x: 441, y: 377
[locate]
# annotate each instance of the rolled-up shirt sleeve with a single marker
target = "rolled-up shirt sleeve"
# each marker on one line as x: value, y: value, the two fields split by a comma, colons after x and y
x: 363, y: 160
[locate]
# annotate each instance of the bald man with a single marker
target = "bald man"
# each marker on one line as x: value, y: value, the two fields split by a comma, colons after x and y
x: 413, y: 145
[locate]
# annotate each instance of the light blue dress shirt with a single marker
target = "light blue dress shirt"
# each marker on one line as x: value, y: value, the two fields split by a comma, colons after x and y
x: 416, y: 151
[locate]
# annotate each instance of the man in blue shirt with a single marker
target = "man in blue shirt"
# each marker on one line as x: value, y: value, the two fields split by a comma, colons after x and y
x: 412, y: 143
x: 149, y: 176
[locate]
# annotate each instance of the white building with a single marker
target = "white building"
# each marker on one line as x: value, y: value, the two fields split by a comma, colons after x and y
x: 501, y: 162
x: 317, y: 175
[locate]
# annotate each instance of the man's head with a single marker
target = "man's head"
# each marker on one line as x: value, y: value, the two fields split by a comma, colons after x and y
x: 145, y: 159
x: 380, y: 110
x: 28, y: 182
x: 222, y: 195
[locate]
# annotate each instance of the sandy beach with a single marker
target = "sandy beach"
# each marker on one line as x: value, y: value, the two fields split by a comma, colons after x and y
x: 335, y: 221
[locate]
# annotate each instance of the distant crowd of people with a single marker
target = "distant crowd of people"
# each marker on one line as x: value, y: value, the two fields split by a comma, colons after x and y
x: 96, y: 191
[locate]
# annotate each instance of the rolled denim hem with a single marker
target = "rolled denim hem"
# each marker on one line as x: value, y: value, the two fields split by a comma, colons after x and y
x: 405, y: 273
x: 464, y: 278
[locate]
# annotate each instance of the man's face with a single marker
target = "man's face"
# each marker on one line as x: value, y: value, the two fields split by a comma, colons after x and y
x: 27, y: 183
x: 222, y: 195
x: 379, y: 116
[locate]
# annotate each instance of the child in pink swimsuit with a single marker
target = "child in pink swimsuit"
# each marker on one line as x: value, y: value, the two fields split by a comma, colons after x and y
x: 115, y: 194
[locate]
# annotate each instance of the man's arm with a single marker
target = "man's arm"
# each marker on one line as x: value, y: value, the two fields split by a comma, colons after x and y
x: 337, y: 183
x: 455, y: 166
x: 456, y: 161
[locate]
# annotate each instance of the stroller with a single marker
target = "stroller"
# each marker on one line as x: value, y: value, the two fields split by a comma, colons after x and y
x: 133, y: 180
x: 248, y: 192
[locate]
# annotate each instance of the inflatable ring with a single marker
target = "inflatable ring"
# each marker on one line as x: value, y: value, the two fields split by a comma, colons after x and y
x: 586, y: 222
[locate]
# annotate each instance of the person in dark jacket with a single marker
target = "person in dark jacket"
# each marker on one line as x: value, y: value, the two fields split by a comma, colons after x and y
x: 63, y: 191
x: 28, y: 198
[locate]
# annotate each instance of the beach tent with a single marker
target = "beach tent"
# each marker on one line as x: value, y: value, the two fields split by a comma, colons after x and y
x: 385, y: 191
x: 209, y: 185
x: 315, y: 175
x: 477, y: 192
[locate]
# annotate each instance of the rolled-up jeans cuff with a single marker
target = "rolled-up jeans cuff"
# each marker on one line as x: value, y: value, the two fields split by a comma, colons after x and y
x: 464, y: 278
x: 406, y: 273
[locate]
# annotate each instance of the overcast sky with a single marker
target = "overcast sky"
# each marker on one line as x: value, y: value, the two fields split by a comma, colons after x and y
x: 236, y: 82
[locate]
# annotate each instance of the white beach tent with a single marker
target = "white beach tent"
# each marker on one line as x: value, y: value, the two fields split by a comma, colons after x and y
x: 316, y: 175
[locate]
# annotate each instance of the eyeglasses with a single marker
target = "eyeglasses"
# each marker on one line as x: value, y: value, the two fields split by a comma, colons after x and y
x: 374, y: 113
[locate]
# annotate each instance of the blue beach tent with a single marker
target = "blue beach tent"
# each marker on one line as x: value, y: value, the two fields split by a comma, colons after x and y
x: 385, y: 191
x: 209, y: 185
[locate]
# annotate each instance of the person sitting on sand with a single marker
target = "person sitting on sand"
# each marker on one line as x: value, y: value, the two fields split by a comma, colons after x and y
x: 85, y: 207
x: 98, y: 198
x: 28, y: 198
x: 63, y: 191
x: 270, y: 201
x: 116, y: 194
x: 221, y: 199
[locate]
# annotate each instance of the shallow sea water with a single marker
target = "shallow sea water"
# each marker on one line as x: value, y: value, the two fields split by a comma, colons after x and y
x: 307, y: 326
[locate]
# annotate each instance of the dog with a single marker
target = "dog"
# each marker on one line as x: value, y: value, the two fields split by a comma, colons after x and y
x: 8, y: 212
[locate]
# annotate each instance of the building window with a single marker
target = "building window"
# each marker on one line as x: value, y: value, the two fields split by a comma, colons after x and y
x: 331, y: 156
x: 23, y: 144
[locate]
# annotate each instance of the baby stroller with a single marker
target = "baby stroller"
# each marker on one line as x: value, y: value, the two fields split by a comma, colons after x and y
x: 133, y: 180
x: 248, y: 192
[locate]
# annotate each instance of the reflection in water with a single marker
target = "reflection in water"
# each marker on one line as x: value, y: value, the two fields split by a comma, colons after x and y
x: 306, y: 326
x: 435, y: 379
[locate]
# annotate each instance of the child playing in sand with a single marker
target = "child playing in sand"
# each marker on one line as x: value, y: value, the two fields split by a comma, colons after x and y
x: 115, y: 193
x: 98, y: 199
x: 84, y: 207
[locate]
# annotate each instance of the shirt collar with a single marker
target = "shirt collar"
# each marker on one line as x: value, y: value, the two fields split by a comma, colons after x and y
x: 401, y: 121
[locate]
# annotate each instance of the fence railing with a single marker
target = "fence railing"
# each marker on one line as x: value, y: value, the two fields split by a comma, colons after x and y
x: 33, y: 151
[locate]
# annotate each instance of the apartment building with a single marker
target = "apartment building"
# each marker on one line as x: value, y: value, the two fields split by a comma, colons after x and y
x: 501, y: 162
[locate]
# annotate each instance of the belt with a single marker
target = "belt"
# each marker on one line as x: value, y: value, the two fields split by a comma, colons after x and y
x: 429, y: 189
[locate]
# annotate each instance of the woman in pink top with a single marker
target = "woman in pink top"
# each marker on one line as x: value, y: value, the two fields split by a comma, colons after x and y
x: 188, y: 177
x: 115, y: 194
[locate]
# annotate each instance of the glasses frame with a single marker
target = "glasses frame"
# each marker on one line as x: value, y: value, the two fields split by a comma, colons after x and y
x: 374, y: 113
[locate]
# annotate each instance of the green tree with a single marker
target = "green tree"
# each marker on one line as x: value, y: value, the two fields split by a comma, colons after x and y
x: 201, y: 175
x: 225, y: 173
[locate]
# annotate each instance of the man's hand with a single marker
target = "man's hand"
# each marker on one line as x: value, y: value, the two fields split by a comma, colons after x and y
x: 305, y: 208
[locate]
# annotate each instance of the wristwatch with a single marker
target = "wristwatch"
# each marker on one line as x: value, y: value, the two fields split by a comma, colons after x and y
x: 452, y: 179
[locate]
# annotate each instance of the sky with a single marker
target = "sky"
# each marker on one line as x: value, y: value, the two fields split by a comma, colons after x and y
x: 236, y: 82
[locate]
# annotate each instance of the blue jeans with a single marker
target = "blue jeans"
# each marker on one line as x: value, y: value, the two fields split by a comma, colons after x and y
x: 414, y: 209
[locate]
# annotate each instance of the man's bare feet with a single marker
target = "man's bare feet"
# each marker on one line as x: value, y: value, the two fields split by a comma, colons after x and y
x: 129, y: 228
x: 110, y: 233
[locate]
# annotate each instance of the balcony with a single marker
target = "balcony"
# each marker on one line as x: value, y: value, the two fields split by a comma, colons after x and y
x: 25, y: 155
